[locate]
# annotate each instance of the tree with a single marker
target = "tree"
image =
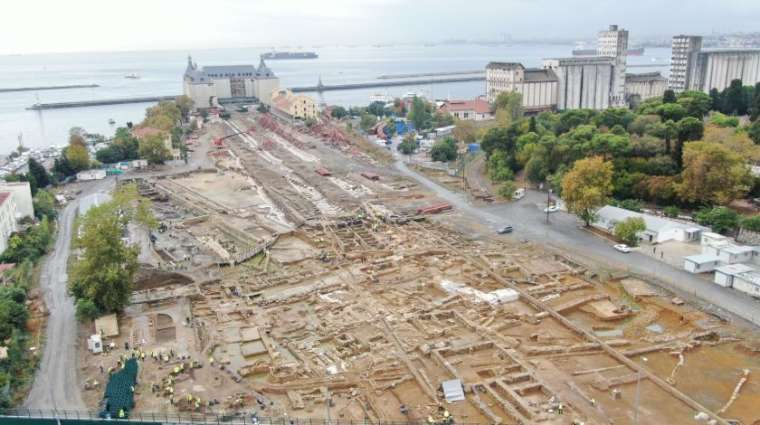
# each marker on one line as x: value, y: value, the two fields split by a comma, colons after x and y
x: 671, y: 111
x: 722, y: 120
x: 408, y: 145
x: 587, y: 187
x: 420, y: 114
x: 712, y: 174
x: 720, y: 219
x: 695, y: 103
x: 104, y: 273
x: 716, y: 100
x: 508, y: 106
x: 614, y: 116
x: 667, y: 131
x: 754, y: 110
x: 628, y: 230
x: 671, y: 211
x: 77, y: 156
x: 185, y: 105
x: 669, y: 96
x: 44, y: 205
x: 444, y: 150
x: 153, y: 149
x: 376, y: 108
x: 734, y: 99
x: 338, y: 112
x: 536, y: 169
x: 754, y: 132
x: 39, y: 174
x: 499, y: 138
x: 367, y: 121
x: 499, y: 169
x: 507, y: 189
x: 163, y: 116
x: 688, y: 129
x: 465, y: 131
x: 87, y: 310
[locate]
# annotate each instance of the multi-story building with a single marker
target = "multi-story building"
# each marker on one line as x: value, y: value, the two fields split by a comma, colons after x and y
x: 614, y: 43
x: 7, y: 218
x: 22, y: 198
x: 290, y: 105
x: 471, y: 110
x: 684, y: 49
x: 583, y: 82
x: 692, y: 68
x: 228, y: 81
x: 538, y: 87
x: 644, y: 86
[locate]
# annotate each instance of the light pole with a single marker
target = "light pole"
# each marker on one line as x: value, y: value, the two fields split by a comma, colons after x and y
x: 548, y: 202
x: 638, y: 393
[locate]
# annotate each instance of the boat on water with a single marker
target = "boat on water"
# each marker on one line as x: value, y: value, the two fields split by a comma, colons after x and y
x: 275, y: 55
x: 112, y: 121
x: 132, y: 76
x: 379, y: 97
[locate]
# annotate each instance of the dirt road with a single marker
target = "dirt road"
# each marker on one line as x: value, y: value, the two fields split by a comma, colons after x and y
x: 56, y: 385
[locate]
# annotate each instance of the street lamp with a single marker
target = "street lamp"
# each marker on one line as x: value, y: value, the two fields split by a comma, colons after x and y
x: 548, y: 203
x: 638, y: 393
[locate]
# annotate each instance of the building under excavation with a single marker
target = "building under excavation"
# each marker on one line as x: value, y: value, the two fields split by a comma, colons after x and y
x: 323, y: 295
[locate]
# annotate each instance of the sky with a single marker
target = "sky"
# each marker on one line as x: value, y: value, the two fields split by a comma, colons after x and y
x: 42, y: 26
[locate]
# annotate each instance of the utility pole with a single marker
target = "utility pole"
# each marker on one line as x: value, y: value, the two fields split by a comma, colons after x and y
x: 548, y: 202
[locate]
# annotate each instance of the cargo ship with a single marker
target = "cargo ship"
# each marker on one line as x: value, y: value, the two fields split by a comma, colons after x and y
x: 274, y: 55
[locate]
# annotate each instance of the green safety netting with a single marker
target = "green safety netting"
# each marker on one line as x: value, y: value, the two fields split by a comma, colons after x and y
x: 119, y: 394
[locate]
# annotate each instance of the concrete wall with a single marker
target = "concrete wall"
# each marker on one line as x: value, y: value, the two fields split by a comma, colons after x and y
x: 718, y: 69
x: 646, y: 89
x: 584, y: 86
x: 8, y: 214
x: 200, y: 93
x: 22, y: 197
x: 264, y: 89
x: 222, y: 88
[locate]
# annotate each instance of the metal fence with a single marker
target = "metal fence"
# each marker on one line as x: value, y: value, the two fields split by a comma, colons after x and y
x: 236, y: 418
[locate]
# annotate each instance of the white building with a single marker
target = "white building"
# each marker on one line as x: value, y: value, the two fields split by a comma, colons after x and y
x: 644, y: 86
x: 583, y: 82
x: 7, y: 218
x: 741, y: 277
x: 682, y: 59
x: 22, y: 197
x: 701, y: 263
x: 614, y: 43
x: 692, y: 68
x: 538, y: 87
x: 470, y: 110
x: 228, y: 81
x: 87, y: 175
x: 658, y: 229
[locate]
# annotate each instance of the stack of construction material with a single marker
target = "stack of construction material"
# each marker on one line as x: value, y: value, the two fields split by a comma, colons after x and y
x: 119, y: 396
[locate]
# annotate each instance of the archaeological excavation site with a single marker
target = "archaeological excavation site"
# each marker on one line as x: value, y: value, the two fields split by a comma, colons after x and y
x: 298, y: 276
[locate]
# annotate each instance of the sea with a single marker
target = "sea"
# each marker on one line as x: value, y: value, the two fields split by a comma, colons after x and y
x: 160, y: 74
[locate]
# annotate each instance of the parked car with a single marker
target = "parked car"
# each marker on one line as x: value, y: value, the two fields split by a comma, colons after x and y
x: 551, y: 209
x: 622, y: 248
x: 504, y: 230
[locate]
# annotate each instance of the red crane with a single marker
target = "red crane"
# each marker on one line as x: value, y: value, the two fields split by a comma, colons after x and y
x: 218, y: 141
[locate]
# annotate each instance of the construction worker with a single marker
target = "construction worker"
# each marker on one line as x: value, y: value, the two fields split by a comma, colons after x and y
x: 211, y: 360
x: 561, y: 409
x: 121, y: 413
x: 430, y: 420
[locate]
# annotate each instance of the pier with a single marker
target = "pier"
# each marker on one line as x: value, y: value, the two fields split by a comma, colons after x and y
x: 41, y: 88
x: 103, y: 102
x: 430, y: 74
x: 375, y: 84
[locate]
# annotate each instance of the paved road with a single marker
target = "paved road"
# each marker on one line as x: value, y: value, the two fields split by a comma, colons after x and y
x: 565, y: 234
x: 56, y: 385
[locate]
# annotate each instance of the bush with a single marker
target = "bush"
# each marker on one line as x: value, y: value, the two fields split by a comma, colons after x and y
x: 87, y: 310
x: 751, y: 223
x: 671, y: 211
x: 507, y: 189
x: 629, y: 229
x: 630, y: 204
x: 28, y: 245
x: 720, y: 219
x: 444, y: 150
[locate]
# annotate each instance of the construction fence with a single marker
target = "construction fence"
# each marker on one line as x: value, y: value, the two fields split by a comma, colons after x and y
x: 83, y: 417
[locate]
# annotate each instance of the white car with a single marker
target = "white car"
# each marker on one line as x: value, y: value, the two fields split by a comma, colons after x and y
x: 622, y: 248
x: 551, y: 209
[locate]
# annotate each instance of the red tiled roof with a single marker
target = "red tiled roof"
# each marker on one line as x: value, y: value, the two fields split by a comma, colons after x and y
x: 478, y: 106
x: 4, y: 196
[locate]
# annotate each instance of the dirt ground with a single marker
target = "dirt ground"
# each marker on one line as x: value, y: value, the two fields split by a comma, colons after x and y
x: 327, y: 296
